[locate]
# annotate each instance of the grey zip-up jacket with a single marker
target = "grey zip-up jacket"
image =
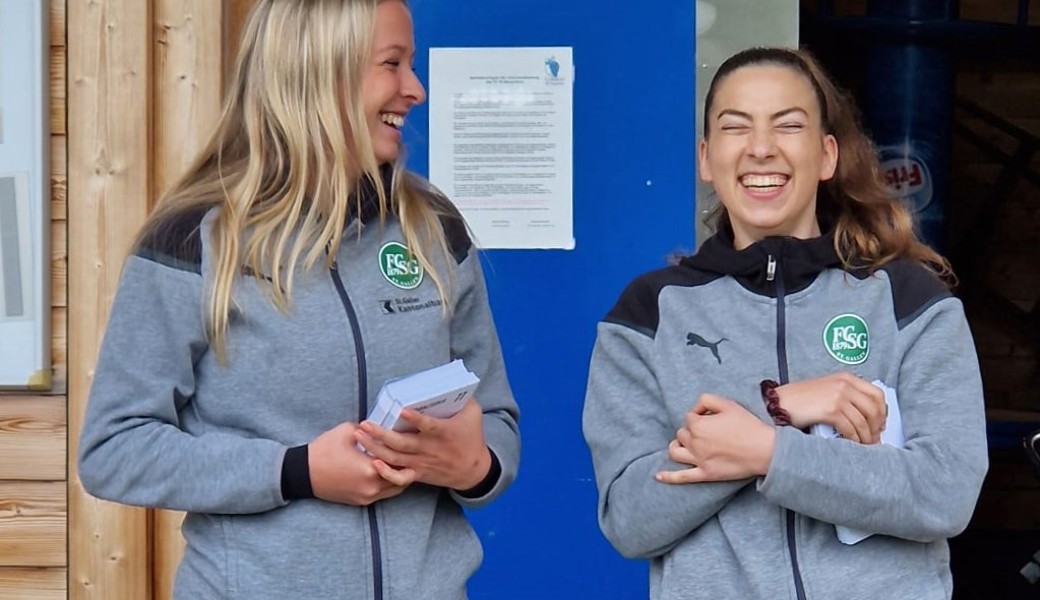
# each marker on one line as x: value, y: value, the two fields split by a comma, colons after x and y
x: 722, y: 321
x: 167, y: 427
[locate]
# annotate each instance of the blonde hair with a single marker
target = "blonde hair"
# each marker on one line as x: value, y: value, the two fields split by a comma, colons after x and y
x: 291, y: 147
x: 871, y: 226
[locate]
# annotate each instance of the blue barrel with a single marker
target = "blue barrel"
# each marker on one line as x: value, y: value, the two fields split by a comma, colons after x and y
x: 908, y: 108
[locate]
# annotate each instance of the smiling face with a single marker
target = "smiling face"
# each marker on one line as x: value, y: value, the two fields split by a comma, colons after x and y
x: 390, y: 87
x: 765, y: 152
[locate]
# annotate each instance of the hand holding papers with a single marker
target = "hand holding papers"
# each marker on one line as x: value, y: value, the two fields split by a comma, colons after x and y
x: 438, y: 392
x: 892, y: 435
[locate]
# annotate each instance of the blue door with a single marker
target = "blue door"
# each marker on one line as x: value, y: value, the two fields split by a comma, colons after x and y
x: 634, y: 177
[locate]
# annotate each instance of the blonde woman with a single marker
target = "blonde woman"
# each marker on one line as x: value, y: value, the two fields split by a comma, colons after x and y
x: 295, y: 268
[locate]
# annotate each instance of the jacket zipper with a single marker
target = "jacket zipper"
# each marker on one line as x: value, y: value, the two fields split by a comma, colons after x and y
x: 359, y: 349
x: 777, y: 275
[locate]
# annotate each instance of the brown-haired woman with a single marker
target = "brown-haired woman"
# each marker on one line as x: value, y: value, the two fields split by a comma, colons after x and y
x: 709, y: 378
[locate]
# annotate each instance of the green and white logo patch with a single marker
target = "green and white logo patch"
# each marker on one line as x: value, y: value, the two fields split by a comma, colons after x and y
x: 399, y: 267
x: 847, y: 339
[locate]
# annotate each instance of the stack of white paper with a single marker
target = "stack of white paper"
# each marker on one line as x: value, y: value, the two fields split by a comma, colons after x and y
x: 892, y: 435
x: 438, y: 392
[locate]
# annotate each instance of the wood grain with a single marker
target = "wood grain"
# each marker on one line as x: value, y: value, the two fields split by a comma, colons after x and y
x: 57, y: 23
x: 32, y: 438
x: 109, y: 184
x: 33, y: 584
x: 57, y: 90
x: 32, y: 524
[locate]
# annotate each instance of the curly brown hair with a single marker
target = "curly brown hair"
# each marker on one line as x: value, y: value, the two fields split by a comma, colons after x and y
x: 871, y: 226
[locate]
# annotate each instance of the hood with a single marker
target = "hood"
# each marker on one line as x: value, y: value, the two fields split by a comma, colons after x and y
x: 799, y: 261
x: 366, y: 191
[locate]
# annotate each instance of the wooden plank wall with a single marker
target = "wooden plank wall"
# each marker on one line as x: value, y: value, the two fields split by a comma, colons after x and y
x: 144, y: 92
x: 33, y: 428
x: 146, y: 83
x: 109, y: 98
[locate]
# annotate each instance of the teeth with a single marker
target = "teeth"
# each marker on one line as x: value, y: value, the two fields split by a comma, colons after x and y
x: 763, y: 180
x: 391, y: 119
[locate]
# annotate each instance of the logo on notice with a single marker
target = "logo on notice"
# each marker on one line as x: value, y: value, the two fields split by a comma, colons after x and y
x: 552, y: 67
x: 555, y: 72
x: 399, y: 267
x: 847, y: 339
x: 692, y: 339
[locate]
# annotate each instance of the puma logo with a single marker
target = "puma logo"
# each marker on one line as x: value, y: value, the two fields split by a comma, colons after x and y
x: 692, y: 339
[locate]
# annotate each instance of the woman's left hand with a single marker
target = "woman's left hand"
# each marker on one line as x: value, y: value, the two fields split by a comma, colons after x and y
x: 448, y: 452
x: 721, y: 441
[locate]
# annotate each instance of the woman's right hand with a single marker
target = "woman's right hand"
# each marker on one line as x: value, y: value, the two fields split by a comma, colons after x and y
x: 342, y: 473
x: 854, y: 407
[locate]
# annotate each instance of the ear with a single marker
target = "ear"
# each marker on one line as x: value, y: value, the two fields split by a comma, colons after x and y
x: 702, y: 161
x: 829, y: 164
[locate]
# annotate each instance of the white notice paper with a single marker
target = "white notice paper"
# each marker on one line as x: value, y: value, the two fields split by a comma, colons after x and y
x: 501, y: 142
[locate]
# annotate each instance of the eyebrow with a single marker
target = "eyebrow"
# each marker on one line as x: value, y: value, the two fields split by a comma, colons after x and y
x: 391, y: 47
x: 777, y: 115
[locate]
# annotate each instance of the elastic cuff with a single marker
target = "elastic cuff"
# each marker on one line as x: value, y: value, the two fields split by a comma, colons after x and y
x: 489, y: 481
x: 296, y: 474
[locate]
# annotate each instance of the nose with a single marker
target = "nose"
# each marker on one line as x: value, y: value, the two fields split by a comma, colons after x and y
x: 412, y: 88
x: 761, y: 142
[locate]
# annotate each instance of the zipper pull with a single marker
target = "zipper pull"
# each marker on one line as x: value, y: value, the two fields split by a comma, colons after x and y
x: 771, y: 268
